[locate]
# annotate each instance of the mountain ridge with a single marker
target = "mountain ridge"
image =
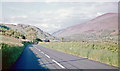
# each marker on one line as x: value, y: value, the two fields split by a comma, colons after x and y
x: 105, y: 23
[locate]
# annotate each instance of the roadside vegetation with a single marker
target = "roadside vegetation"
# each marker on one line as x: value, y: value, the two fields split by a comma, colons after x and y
x: 10, y: 53
x: 105, y: 52
x: 12, y: 46
x: 6, y: 31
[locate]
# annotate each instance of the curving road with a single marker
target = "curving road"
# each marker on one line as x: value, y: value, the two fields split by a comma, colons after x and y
x: 38, y: 57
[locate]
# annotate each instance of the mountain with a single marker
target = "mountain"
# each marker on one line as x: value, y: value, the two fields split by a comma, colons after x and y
x: 29, y: 30
x: 102, y: 27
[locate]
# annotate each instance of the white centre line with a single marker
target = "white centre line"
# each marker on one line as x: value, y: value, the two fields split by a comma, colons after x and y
x: 47, y: 55
x: 58, y: 64
x: 52, y: 59
x: 42, y: 52
x: 38, y: 49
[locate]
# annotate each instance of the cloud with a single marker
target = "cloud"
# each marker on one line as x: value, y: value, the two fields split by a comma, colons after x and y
x: 63, y: 13
x: 10, y: 23
x: 55, y: 16
x: 98, y: 14
x: 45, y: 25
x: 22, y: 16
x: 48, y: 27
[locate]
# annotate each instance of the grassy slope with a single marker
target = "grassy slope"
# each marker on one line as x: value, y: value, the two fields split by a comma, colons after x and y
x: 10, y: 40
x: 102, y: 52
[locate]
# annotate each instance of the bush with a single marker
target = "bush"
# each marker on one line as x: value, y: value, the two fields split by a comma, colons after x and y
x: 37, y: 39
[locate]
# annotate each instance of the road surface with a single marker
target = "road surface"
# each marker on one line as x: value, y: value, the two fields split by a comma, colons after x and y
x: 38, y: 57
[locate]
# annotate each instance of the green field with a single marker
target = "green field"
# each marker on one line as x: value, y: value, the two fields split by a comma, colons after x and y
x: 105, y: 52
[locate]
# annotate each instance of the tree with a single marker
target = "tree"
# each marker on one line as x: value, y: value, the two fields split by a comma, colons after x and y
x: 23, y: 37
x: 62, y: 39
x: 38, y: 39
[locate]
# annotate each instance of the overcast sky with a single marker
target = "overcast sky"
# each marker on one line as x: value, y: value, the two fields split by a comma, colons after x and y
x: 53, y: 16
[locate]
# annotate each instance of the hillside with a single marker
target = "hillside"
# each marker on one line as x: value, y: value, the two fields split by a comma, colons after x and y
x: 30, y: 31
x: 9, y: 36
x: 104, y: 27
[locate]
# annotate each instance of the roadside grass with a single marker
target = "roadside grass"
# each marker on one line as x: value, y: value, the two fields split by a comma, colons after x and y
x: 11, y: 50
x: 105, y: 52
x: 10, y: 54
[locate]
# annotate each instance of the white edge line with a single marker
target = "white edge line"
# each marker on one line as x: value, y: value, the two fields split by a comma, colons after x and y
x: 58, y: 64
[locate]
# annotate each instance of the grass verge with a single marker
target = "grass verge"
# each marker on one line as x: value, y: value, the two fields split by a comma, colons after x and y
x: 10, y: 53
x: 105, y: 52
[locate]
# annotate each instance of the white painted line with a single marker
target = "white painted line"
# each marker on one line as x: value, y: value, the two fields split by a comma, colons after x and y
x: 37, y: 49
x: 47, y: 55
x: 42, y: 52
x: 58, y: 64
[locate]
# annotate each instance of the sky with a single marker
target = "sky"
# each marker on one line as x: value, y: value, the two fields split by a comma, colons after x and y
x: 53, y: 16
x: 60, y: 0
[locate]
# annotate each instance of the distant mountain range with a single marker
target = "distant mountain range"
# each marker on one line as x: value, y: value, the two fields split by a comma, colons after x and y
x: 23, y: 29
x: 104, y: 27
